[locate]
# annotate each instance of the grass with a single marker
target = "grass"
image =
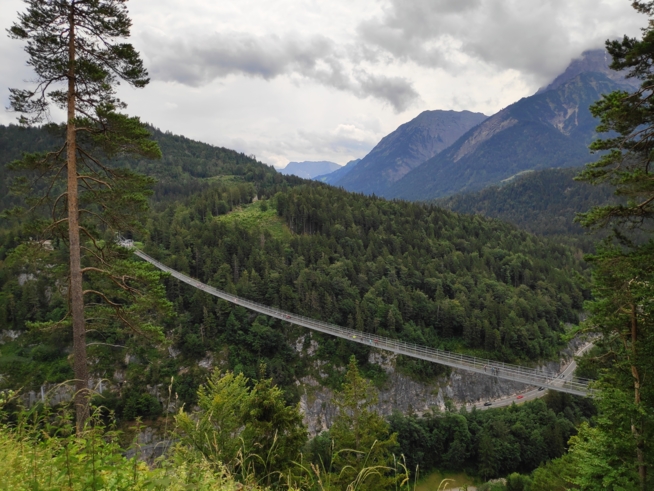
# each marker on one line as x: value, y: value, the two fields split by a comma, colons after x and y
x: 35, y: 455
x: 253, y: 217
x: 433, y: 481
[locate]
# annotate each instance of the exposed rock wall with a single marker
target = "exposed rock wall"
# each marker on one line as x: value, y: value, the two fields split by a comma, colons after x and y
x: 401, y: 393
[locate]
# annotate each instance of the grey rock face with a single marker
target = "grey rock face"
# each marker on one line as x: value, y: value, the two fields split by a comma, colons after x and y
x: 596, y: 60
x: 408, y: 396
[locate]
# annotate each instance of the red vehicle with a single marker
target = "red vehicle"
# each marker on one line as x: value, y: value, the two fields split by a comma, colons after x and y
x: 520, y: 396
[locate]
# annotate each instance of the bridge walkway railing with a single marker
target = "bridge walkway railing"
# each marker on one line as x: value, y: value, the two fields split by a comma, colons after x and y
x: 516, y: 373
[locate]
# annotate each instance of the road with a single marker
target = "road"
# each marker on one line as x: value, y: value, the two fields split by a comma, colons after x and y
x: 531, y: 394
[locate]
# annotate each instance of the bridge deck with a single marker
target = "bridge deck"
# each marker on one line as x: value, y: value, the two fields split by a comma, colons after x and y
x: 517, y: 373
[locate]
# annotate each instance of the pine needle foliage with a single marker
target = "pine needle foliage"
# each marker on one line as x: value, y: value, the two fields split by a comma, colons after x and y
x: 622, y: 310
x: 72, y: 194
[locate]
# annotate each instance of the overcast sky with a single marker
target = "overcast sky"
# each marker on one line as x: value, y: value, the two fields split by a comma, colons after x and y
x: 290, y: 80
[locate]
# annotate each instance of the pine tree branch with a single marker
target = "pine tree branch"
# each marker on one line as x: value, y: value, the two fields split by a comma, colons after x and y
x: 90, y: 251
x: 92, y: 213
x: 99, y: 181
x: 90, y: 236
x: 103, y: 296
x: 95, y: 161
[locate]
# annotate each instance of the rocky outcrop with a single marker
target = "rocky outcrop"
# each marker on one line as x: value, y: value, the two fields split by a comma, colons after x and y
x: 149, y: 444
x: 403, y: 394
x: 596, y: 60
x: 8, y: 335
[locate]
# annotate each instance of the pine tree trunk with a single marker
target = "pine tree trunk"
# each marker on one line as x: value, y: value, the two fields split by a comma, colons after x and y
x: 640, y: 455
x: 76, y: 293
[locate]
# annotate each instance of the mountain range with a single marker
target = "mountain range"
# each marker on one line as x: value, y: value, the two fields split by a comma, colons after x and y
x: 338, y: 174
x: 406, y: 148
x: 441, y: 153
x: 309, y: 169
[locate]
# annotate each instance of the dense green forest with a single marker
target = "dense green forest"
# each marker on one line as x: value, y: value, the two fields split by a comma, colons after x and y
x: 410, y: 271
x: 223, y: 385
x: 543, y: 202
x: 187, y: 166
x: 348, y: 259
x: 492, y: 443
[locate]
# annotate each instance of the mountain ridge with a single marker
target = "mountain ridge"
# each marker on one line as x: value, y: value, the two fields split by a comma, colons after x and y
x: 543, y: 202
x: 407, y: 147
x: 338, y: 174
x: 552, y: 128
x: 309, y: 169
x: 596, y: 60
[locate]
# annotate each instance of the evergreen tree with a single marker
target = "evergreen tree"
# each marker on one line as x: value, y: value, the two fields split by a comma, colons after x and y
x: 214, y: 430
x: 251, y: 431
x: 487, y: 456
x: 274, y: 430
x: 73, y: 46
x: 623, y: 287
x: 361, y: 436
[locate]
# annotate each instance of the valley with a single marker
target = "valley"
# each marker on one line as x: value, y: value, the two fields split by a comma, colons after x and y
x: 470, y: 298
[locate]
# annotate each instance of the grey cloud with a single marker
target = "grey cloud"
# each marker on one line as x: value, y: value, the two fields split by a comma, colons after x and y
x: 198, y: 62
x: 201, y: 60
x: 534, y: 37
x: 396, y: 90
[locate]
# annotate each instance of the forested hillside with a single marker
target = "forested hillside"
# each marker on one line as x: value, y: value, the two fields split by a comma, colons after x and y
x: 410, y: 271
x: 493, y: 442
x: 99, y: 348
x: 543, y: 202
x: 186, y: 167
x: 414, y: 272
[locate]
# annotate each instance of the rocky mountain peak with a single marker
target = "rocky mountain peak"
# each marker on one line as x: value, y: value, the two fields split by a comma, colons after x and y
x: 594, y: 60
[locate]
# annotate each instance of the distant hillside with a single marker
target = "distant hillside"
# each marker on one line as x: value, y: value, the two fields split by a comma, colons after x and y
x: 407, y: 147
x: 309, y: 169
x: 543, y: 202
x: 549, y: 129
x: 187, y: 166
x: 334, y: 177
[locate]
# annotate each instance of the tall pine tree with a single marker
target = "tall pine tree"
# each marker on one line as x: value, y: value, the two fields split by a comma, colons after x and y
x: 623, y: 273
x: 75, y: 49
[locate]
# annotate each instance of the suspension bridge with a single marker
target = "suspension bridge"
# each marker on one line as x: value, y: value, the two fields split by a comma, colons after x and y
x: 562, y: 382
